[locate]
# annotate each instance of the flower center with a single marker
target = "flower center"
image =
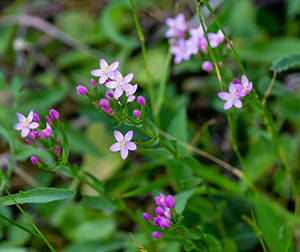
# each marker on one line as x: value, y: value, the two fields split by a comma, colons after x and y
x: 123, y: 143
x: 232, y: 96
x: 162, y: 200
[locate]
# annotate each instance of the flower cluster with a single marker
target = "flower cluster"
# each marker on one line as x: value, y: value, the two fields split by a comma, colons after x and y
x: 237, y: 89
x: 163, y: 212
x: 37, y: 138
x: 183, y: 48
x: 114, y: 104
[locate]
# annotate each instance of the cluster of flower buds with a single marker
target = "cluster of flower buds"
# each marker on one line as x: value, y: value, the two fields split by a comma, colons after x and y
x: 29, y: 130
x: 237, y: 90
x: 183, y: 48
x: 121, y: 93
x: 163, y: 212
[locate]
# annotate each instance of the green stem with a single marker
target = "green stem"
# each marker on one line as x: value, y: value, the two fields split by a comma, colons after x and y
x: 142, y: 39
x: 30, y: 221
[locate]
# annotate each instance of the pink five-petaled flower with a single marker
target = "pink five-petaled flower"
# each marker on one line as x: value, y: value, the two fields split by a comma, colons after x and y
x: 120, y: 84
x: 231, y: 98
x: 25, y: 123
x: 180, y: 51
x: 105, y: 71
x: 245, y: 87
x: 129, y: 94
x: 177, y: 26
x: 46, y: 132
x: 123, y: 143
x: 160, y: 200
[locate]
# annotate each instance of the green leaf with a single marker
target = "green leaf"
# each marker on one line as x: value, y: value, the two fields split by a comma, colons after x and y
x: 273, y: 228
x: 181, y: 200
x: 98, y: 203
x: 41, y: 195
x: 285, y: 63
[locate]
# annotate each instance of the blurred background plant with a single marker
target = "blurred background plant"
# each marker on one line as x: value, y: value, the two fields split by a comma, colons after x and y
x: 47, y: 48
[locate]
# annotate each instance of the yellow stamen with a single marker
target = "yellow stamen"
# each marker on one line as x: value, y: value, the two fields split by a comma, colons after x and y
x: 162, y: 200
x: 24, y: 124
x: 44, y: 130
x: 166, y: 213
x: 25, y: 120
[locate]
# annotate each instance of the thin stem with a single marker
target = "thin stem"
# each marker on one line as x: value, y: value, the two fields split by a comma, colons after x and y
x: 142, y: 39
x: 30, y: 221
x: 269, y: 89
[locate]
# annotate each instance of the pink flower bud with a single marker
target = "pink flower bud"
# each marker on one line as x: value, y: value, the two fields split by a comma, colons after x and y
x: 57, y: 150
x: 109, y: 95
x: 36, y: 117
x: 29, y: 142
x: 104, y: 103
x: 96, y: 105
x: 160, y: 211
x: 141, y: 100
x: 236, y: 81
x: 146, y: 216
x: 93, y: 83
x: 81, y: 90
x: 34, y: 160
x: 56, y: 141
x: 48, y: 119
x: 221, y: 64
x: 54, y: 114
x: 164, y: 223
x: 207, y: 66
x: 169, y: 200
x: 156, y: 235
x: 156, y: 221
x: 136, y: 113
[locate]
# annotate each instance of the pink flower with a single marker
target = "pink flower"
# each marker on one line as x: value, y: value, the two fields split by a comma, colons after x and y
x: 180, y: 51
x: 136, y: 113
x: 207, y: 66
x: 25, y: 123
x: 141, y: 100
x: 160, y: 200
x: 123, y: 144
x: 129, y: 94
x: 156, y: 235
x: 120, y: 84
x: 105, y: 71
x: 231, y: 98
x: 81, y: 90
x: 146, y: 216
x: 46, y: 132
x: 177, y: 26
x: 54, y: 114
x: 34, y: 160
x: 245, y: 87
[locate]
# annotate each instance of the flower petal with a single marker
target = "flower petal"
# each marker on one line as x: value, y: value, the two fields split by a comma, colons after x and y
x: 170, y: 22
x: 118, y: 92
x: 131, y: 146
x: 18, y: 126
x: 231, y: 88
x: 228, y: 105
x: 127, y: 87
x: 224, y: 95
x: 103, y: 63
x: 237, y: 103
x: 128, y: 78
x: 118, y: 75
x: 102, y: 79
x: 118, y: 135
x: 111, y: 75
x: 20, y: 117
x: 115, y: 147
x: 130, y: 98
x: 244, y: 80
x: 114, y: 66
x: 30, y: 116
x: 124, y: 152
x: 96, y: 72
x: 111, y: 84
x: 128, y: 136
x: 33, y: 125
x: 24, y: 132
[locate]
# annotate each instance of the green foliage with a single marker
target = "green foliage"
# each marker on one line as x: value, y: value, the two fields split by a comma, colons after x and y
x: 286, y: 63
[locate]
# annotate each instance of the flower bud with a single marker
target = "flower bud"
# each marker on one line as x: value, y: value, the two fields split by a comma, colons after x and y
x: 236, y: 81
x: 146, y: 216
x: 36, y: 117
x: 57, y: 150
x: 34, y: 160
x: 96, y: 105
x: 56, y: 141
x: 160, y: 211
x: 29, y: 142
x: 81, y: 90
x: 136, y: 113
x: 109, y: 95
x: 48, y: 119
x: 104, y: 103
x: 164, y: 223
x: 169, y: 200
x: 93, y: 83
x: 156, y: 235
x: 141, y: 100
x: 54, y: 114
x: 156, y: 221
x: 207, y: 66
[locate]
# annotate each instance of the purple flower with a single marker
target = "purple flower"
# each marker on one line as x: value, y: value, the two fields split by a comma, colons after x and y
x: 109, y: 95
x: 104, y: 103
x: 146, y: 216
x: 180, y: 51
x: 48, y: 120
x: 136, y: 113
x: 25, y: 123
x: 236, y: 81
x: 28, y: 141
x: 231, y: 98
x: 215, y: 39
x: 160, y: 200
x: 129, y: 94
x: 36, y: 117
x: 57, y: 150
x: 192, y: 45
x: 123, y: 143
x: 177, y: 26
x: 207, y: 66
x: 141, y: 100
x: 157, y: 220
x: 93, y: 83
x: 54, y: 114
x: 105, y: 71
x: 245, y: 87
x: 160, y: 211
x: 46, y: 132
x: 156, y: 235
x: 167, y: 213
x: 81, y: 90
x: 33, y: 134
x: 197, y: 32
x: 169, y: 200
x: 96, y: 105
x: 34, y: 160
x: 164, y: 223
x: 120, y: 84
